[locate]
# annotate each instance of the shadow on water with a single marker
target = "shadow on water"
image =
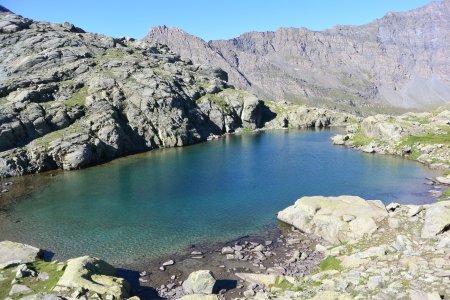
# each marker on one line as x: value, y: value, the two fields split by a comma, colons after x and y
x: 143, y: 292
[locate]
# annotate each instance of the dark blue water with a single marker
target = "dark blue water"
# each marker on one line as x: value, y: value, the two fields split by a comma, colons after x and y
x: 160, y: 202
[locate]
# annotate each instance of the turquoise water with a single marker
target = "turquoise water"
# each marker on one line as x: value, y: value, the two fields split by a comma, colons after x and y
x: 157, y: 203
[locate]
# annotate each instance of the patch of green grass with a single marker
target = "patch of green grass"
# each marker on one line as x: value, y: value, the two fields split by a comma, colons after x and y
x: 406, y: 283
x: 35, y: 285
x: 359, y: 139
x: 314, y: 283
x: 430, y: 138
x: 202, y: 84
x: 421, y: 120
x: 231, y: 91
x: 246, y: 130
x: 77, y: 99
x: 283, y: 284
x: 330, y: 263
x: 281, y: 108
x: 114, y: 53
x: 445, y: 195
x: 352, y: 120
x: 415, y: 154
x: 162, y: 73
x: 47, y: 285
x: 362, y: 281
x: 214, y: 98
x: 49, y: 137
x: 5, y: 285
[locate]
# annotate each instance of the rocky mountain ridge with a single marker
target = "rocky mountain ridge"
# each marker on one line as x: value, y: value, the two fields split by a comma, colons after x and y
x: 71, y: 99
x: 401, y: 60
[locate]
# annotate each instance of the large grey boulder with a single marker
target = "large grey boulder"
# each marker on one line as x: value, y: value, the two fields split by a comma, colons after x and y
x: 335, y: 219
x: 12, y: 253
x: 200, y: 282
x: 94, y: 275
x: 382, y: 127
x: 19, y: 289
x: 437, y: 219
x: 251, y: 112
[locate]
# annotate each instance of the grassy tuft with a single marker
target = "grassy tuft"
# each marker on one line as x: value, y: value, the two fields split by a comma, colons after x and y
x: 114, y: 53
x: 415, y: 154
x: 330, y: 263
x: 35, y: 285
x: 49, y: 137
x: 406, y: 283
x: 359, y: 139
x: 214, y: 98
x: 77, y: 99
x: 5, y: 285
x: 285, y: 285
x: 430, y: 138
x: 445, y: 195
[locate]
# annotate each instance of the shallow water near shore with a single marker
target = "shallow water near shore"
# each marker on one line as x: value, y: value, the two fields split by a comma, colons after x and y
x: 155, y: 204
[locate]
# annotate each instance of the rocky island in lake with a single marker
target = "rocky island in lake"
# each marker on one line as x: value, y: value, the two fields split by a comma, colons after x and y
x: 84, y: 216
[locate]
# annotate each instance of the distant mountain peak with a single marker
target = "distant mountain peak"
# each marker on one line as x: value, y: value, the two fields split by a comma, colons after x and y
x: 164, y: 29
x: 401, y: 59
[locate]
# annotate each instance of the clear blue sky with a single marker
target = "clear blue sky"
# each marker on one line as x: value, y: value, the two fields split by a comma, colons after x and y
x: 208, y: 19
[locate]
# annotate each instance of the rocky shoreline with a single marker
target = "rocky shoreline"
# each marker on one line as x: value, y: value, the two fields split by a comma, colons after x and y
x: 423, y: 137
x: 337, y: 247
x: 256, y: 253
x: 162, y: 278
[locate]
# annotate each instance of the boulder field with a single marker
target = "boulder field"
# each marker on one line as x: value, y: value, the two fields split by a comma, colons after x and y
x: 392, y: 252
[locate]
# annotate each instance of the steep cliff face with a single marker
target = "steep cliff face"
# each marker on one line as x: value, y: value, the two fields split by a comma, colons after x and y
x: 401, y: 60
